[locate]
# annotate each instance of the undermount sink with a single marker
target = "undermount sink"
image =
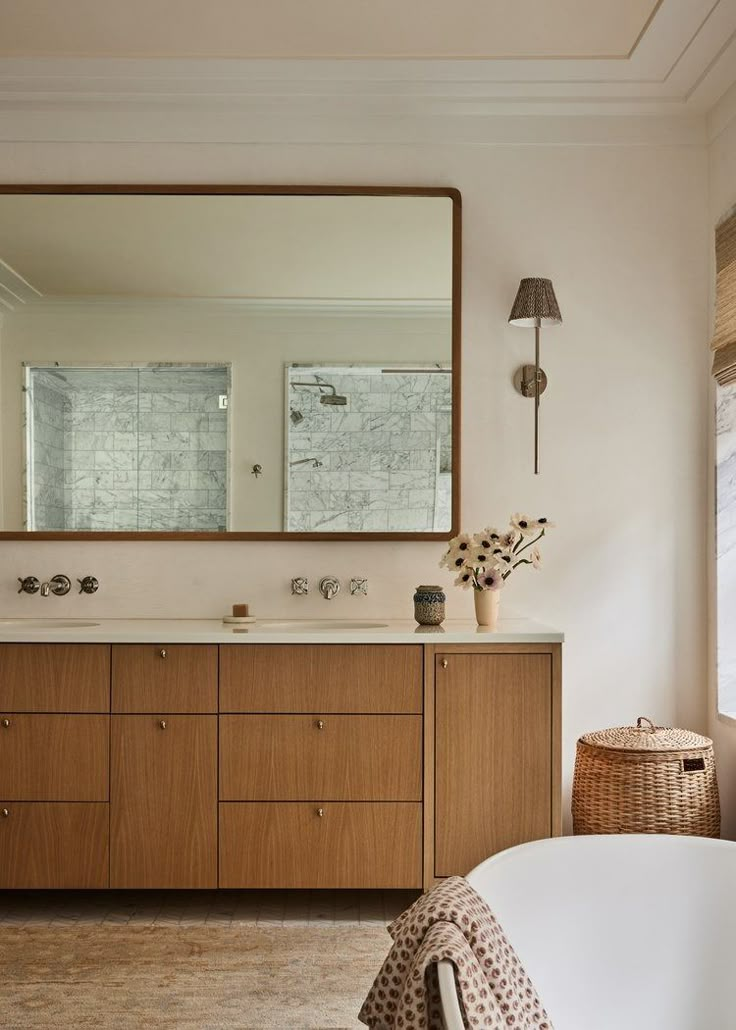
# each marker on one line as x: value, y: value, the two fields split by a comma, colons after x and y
x: 317, y: 625
x: 45, y: 624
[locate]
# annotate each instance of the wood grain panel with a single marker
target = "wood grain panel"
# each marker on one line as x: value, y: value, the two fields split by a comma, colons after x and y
x: 493, y: 758
x: 350, y: 758
x: 164, y: 677
x: 369, y: 678
x: 55, y: 677
x: 54, y: 757
x: 54, y: 846
x: 349, y: 846
x: 163, y: 801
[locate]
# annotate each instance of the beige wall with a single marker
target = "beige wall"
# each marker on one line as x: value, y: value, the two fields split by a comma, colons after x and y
x: 258, y: 346
x: 721, y: 728
x: 624, y: 233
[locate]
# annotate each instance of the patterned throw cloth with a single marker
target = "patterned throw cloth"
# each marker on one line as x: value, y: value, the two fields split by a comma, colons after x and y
x: 452, y: 922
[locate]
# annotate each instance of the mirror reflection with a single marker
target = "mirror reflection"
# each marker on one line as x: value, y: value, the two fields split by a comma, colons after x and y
x: 241, y: 363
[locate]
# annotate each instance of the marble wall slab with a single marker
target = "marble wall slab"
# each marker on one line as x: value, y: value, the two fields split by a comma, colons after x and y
x: 381, y: 462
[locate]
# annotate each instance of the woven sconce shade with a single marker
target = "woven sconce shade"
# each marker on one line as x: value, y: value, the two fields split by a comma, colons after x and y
x: 724, y: 334
x: 535, y: 304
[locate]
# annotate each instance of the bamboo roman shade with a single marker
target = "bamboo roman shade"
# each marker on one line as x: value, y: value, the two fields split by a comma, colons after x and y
x: 724, y: 334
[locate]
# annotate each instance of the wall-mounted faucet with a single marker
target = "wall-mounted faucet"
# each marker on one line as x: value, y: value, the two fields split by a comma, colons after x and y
x: 329, y: 586
x: 59, y: 585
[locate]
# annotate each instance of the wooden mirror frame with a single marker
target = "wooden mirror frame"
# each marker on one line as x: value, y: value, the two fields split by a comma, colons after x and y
x: 320, y: 191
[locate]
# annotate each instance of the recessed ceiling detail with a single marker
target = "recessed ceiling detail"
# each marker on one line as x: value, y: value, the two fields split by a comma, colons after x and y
x: 478, y: 29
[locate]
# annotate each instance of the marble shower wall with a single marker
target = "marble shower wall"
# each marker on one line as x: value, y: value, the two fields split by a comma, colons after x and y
x: 47, y: 450
x: 381, y: 462
x: 142, y: 452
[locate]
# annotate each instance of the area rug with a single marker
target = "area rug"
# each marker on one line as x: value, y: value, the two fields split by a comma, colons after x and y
x: 185, y: 977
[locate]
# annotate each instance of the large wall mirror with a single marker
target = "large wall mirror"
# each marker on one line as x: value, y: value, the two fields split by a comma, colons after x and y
x: 229, y: 362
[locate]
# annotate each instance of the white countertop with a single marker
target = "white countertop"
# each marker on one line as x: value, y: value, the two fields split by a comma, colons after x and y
x: 273, y: 631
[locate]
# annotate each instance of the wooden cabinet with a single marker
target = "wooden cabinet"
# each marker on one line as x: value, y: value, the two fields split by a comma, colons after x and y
x: 272, y: 765
x: 163, y: 801
x: 366, y: 678
x: 168, y: 678
x: 332, y: 757
x: 55, y: 677
x: 54, y: 757
x: 325, y: 845
x: 496, y: 745
x: 53, y: 846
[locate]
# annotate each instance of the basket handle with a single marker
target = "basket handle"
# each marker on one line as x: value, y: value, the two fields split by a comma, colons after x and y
x: 650, y: 728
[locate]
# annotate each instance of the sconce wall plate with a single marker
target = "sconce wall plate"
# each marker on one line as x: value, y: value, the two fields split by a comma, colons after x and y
x: 524, y: 380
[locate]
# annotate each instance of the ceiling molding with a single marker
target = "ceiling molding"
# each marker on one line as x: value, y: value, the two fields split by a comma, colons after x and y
x: 683, y: 63
x: 235, y: 306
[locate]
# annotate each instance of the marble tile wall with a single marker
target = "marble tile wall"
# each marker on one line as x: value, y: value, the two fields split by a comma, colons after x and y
x: 47, y: 441
x: 381, y: 462
x: 135, y: 459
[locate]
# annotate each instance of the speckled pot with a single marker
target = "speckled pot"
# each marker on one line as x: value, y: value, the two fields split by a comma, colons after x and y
x: 429, y: 605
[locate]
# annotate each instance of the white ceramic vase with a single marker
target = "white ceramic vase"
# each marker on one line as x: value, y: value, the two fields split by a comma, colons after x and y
x: 487, y: 603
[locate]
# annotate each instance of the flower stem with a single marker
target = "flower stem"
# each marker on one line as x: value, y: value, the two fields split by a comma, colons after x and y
x: 530, y: 544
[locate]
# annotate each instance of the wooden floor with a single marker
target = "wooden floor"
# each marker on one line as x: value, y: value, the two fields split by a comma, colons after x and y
x: 201, y: 908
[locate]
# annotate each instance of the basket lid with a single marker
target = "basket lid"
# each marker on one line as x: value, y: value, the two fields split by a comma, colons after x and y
x: 645, y: 736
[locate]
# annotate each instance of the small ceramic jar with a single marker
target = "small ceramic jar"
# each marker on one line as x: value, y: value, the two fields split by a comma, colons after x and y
x: 429, y: 605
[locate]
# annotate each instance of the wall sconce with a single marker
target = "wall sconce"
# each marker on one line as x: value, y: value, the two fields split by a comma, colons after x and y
x: 535, y: 306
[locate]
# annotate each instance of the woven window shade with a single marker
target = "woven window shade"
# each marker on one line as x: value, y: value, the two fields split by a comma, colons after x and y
x: 724, y: 334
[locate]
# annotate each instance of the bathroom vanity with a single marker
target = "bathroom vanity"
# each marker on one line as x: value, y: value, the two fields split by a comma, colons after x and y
x: 191, y: 755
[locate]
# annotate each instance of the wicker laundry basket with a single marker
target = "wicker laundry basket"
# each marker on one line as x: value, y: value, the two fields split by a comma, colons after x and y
x: 645, y: 779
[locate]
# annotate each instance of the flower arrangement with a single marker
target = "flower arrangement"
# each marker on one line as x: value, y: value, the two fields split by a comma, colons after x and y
x: 485, y: 560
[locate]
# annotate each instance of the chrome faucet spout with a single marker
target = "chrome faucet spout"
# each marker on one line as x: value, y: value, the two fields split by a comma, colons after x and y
x: 45, y: 589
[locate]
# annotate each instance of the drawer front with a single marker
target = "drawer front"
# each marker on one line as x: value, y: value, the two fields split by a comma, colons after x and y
x: 349, y: 845
x: 53, y: 846
x: 55, y: 677
x: 54, y: 757
x: 369, y: 678
x: 164, y: 678
x: 333, y: 757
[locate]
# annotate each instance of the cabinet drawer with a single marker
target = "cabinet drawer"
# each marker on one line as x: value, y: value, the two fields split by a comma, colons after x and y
x: 164, y: 677
x: 333, y: 757
x: 55, y: 677
x: 349, y: 845
x: 54, y: 757
x: 320, y: 678
x: 54, y: 846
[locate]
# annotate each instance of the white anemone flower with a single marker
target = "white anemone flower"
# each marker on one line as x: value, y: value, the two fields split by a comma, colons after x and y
x: 535, y: 556
x: 527, y: 525
x: 491, y: 579
x: 459, y: 550
x: 465, y: 579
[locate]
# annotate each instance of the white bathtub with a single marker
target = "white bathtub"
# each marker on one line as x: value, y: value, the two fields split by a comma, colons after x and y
x: 622, y: 932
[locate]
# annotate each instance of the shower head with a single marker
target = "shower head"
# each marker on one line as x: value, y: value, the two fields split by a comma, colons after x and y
x: 332, y: 398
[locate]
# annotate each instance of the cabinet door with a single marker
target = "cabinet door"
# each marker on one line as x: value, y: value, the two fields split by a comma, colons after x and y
x: 163, y: 801
x: 493, y: 755
x: 53, y: 846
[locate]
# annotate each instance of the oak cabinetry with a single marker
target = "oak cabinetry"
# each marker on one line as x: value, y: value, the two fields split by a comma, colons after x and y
x: 328, y: 757
x: 272, y: 765
x: 496, y: 754
x: 360, y: 678
x: 55, y: 677
x: 170, y: 678
x: 53, y: 846
x: 321, y: 845
x: 163, y: 801
x: 54, y: 757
